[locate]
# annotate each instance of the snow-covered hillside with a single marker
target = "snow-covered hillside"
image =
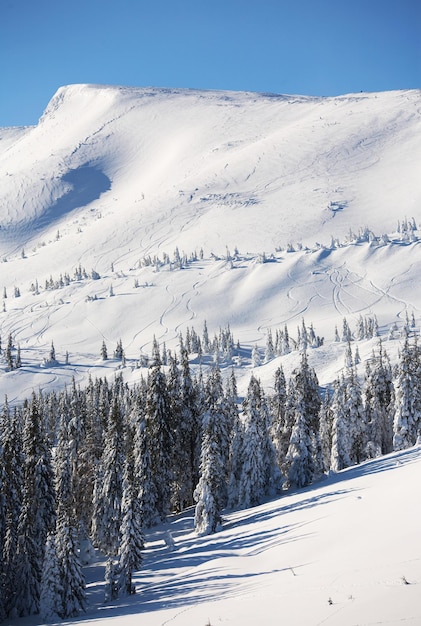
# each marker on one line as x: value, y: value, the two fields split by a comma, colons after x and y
x: 112, y: 179
x: 343, y: 552
x: 128, y: 214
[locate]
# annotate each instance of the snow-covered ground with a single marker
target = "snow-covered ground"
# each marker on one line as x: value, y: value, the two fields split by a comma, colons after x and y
x: 344, y: 552
x: 111, y: 178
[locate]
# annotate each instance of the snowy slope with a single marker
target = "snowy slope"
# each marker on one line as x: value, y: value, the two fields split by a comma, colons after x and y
x: 345, y: 551
x: 112, y: 175
x: 165, y: 161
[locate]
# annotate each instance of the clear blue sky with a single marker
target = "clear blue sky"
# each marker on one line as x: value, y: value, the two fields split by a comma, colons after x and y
x: 312, y: 47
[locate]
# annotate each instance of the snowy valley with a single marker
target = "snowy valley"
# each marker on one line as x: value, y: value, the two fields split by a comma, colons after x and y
x: 236, y: 232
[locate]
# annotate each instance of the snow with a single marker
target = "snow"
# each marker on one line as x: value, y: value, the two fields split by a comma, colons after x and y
x: 112, y: 175
x: 343, y: 551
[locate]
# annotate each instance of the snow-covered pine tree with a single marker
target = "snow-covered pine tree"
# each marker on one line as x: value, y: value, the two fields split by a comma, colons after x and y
x: 341, y: 438
x: 210, y: 493
x: 356, y: 418
x: 257, y: 476
x: 235, y: 462
x: 270, y: 350
x: 299, y: 461
x: 303, y: 391
x: 108, y: 489
x: 11, y: 462
x: 187, y: 435
x: 73, y: 597
x: 255, y: 356
x: 277, y: 407
x: 325, y: 429
x: 378, y: 398
x: 131, y: 535
x: 104, y: 352
x: 407, y: 418
x: 346, y: 331
x: 51, y: 608
x: 37, y: 515
x: 160, y: 432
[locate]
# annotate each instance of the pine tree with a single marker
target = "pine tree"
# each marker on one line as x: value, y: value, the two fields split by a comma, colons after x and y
x: 255, y: 357
x: 356, y: 418
x: 270, y: 350
x: 142, y: 460
x: 235, y: 462
x: 257, y: 477
x: 131, y: 536
x: 326, y: 422
x: 109, y: 486
x: 11, y: 465
x: 37, y: 515
x: 159, y: 430
x: 341, y: 440
x: 210, y: 493
x: 9, y: 356
x: 277, y: 407
x: 186, y: 429
x: 379, y: 398
x: 73, y: 599
x: 299, y: 456
x: 51, y: 608
x: 104, y: 352
x: 407, y: 416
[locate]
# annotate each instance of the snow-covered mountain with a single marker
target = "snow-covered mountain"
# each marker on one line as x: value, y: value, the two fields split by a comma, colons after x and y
x: 112, y: 177
x: 133, y: 213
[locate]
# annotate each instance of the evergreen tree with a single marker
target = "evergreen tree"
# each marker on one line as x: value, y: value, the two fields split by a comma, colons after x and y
x: 109, y: 486
x: 131, y: 537
x: 302, y: 410
x: 186, y: 429
x: 9, y: 356
x: 408, y: 404
x: 104, y: 352
x: 51, y: 608
x: 341, y: 439
x: 378, y: 395
x: 257, y: 477
x: 326, y: 423
x: 255, y: 357
x: 270, y: 350
x: 235, y: 462
x: 299, y: 459
x: 71, y: 576
x: 142, y: 460
x: 160, y: 432
x: 210, y: 493
x: 37, y: 515
x: 356, y: 418
x: 277, y: 407
x: 11, y: 468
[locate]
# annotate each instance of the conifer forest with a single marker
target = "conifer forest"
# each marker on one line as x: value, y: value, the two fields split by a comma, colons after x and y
x: 94, y: 467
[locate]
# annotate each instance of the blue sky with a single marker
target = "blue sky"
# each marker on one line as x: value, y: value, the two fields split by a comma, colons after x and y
x: 312, y: 47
